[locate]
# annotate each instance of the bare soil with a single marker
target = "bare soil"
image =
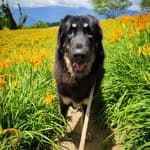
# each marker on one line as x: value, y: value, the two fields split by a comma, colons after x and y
x: 96, y: 136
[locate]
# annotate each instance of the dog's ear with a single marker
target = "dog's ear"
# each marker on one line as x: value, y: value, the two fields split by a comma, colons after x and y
x: 63, y: 28
x: 98, y: 36
x: 95, y: 27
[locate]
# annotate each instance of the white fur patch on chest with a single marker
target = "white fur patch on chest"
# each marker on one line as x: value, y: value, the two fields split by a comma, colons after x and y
x: 68, y: 64
x: 69, y: 101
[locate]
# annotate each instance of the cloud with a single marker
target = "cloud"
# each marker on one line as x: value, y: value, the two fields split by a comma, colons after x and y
x: 42, y: 3
x: 135, y: 5
x: 68, y: 3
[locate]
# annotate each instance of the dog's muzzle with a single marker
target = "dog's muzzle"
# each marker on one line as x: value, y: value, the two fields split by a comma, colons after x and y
x: 79, y: 64
x: 79, y: 67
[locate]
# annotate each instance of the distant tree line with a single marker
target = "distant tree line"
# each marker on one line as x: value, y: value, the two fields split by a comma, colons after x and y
x: 42, y: 24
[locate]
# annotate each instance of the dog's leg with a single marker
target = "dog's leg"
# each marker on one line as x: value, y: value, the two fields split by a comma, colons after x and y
x: 84, y: 110
x: 81, y: 122
x: 63, y: 108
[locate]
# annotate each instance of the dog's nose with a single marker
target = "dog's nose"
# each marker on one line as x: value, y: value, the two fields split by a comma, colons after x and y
x: 79, y: 54
x: 79, y: 46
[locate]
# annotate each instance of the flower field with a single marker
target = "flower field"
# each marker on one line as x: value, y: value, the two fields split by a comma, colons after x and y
x: 126, y: 87
x: 29, y: 110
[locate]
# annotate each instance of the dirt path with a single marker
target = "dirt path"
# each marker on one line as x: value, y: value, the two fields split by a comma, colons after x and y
x: 95, y: 138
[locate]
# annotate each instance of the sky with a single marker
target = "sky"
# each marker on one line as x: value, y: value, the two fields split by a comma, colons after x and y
x: 42, y: 3
x: 67, y: 3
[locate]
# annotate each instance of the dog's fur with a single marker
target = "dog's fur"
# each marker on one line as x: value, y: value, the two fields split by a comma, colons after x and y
x: 79, y: 60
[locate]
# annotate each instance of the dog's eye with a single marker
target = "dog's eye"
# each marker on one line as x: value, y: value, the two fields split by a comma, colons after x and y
x: 70, y: 33
x: 72, y: 30
x: 87, y: 30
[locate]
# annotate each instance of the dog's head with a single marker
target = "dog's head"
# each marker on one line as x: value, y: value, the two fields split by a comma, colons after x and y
x: 79, y: 43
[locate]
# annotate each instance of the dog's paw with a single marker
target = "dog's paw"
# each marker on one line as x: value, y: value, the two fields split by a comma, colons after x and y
x: 69, y: 118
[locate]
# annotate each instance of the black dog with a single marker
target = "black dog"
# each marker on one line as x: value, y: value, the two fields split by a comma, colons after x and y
x: 79, y: 60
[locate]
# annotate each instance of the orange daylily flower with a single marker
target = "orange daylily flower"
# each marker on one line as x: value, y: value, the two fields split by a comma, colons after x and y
x: 49, y: 98
x: 2, y: 82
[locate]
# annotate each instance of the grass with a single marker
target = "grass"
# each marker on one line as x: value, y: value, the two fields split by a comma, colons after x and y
x: 127, y: 96
x: 26, y: 119
x: 29, y: 110
x: 127, y: 90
